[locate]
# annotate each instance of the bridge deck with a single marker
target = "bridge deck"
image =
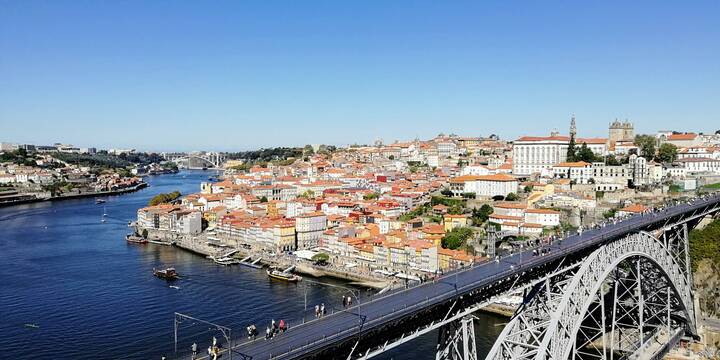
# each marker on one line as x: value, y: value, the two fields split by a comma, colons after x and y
x: 307, y: 338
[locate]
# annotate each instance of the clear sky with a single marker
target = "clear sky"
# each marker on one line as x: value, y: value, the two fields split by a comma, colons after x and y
x: 232, y: 75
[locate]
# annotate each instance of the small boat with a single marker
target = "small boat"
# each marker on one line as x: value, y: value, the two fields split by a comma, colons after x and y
x: 99, y: 201
x: 166, y: 274
x: 276, y: 274
x: 132, y: 238
x: 226, y: 261
x: 32, y: 326
x: 255, y: 264
x: 102, y: 220
x: 174, y: 287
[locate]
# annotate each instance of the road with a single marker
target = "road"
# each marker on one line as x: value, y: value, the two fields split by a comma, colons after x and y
x: 314, y: 335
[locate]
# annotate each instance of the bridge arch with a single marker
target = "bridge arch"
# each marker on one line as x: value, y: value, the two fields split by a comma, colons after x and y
x: 572, y: 314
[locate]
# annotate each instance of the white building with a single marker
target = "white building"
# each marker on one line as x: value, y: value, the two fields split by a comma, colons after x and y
x: 695, y: 165
x: 309, y: 228
x: 484, y: 185
x: 534, y: 154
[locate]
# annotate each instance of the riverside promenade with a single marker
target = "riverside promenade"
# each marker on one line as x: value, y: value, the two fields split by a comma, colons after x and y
x: 202, y: 245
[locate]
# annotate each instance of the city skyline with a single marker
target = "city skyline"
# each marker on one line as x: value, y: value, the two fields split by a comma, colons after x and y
x: 245, y: 76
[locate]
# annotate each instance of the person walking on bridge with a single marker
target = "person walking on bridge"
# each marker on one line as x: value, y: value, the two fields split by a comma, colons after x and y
x: 194, y: 350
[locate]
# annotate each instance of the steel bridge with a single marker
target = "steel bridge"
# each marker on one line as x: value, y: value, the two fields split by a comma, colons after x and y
x: 207, y: 159
x: 622, y: 291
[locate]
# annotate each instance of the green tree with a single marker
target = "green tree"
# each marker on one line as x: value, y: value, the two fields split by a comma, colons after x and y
x: 527, y: 188
x: 667, y: 152
x: 479, y: 216
x: 571, y: 151
x: 264, y: 199
x: 371, y: 196
x: 321, y: 258
x: 164, y: 198
x: 308, y: 150
x: 646, y: 143
x: 585, y: 154
x: 612, y: 160
x: 511, y: 197
x: 456, y: 238
x: 308, y: 194
x: 446, y: 192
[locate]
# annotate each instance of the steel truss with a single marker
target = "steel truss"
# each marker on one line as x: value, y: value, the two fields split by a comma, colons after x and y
x: 625, y: 296
x: 456, y: 341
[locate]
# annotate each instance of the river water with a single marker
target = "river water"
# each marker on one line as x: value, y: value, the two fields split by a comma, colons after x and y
x: 93, y: 296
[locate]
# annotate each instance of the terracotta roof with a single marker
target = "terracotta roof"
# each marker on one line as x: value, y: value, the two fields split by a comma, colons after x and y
x: 679, y: 137
x: 572, y: 164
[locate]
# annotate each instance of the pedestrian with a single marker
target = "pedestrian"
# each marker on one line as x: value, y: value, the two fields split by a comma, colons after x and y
x: 267, y: 333
x: 317, y: 311
x: 344, y: 301
x: 273, y: 326
x: 194, y: 350
x: 282, y: 325
x: 349, y: 301
x: 322, y: 309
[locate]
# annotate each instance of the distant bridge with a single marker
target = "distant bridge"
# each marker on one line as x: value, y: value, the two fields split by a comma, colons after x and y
x: 617, y: 292
x: 196, y: 160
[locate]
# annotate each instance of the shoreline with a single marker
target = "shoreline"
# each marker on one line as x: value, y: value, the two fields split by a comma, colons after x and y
x: 76, y: 196
x: 195, y: 245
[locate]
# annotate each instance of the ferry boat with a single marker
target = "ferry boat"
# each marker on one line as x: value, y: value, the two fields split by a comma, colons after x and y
x: 132, y: 238
x: 276, y: 274
x: 166, y: 274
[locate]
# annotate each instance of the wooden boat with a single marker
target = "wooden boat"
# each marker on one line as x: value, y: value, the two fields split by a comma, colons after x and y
x: 166, y: 274
x: 132, y: 238
x: 226, y: 261
x: 284, y: 276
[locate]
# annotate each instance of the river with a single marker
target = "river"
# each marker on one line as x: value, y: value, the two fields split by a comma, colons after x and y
x: 93, y: 296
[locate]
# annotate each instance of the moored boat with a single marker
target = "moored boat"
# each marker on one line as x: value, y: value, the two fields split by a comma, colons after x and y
x: 166, y: 274
x: 132, y: 238
x: 226, y: 261
x: 99, y: 201
x: 284, y: 276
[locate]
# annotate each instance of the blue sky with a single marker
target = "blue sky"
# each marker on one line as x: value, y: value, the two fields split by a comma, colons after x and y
x: 167, y: 75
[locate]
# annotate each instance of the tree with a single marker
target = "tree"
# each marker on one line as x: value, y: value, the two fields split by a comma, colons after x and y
x: 391, y: 157
x: 456, y: 238
x: 371, y: 196
x: 308, y: 194
x: 667, y: 152
x: 164, y: 198
x: 585, y: 154
x: 527, y: 188
x: 320, y: 258
x: 646, y: 143
x: 308, y: 150
x: 511, y: 197
x: 612, y: 160
x: 446, y: 192
x: 264, y: 199
x: 479, y: 216
x: 571, y: 152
